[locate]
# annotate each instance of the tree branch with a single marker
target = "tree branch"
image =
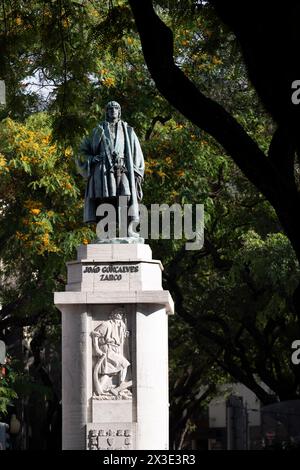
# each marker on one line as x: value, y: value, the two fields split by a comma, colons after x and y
x: 157, y: 44
x: 156, y: 119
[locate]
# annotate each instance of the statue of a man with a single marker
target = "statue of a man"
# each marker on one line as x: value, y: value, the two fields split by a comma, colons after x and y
x: 113, y: 163
x: 108, y: 340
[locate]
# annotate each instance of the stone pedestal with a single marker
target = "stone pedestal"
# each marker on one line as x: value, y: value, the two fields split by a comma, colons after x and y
x: 115, y: 371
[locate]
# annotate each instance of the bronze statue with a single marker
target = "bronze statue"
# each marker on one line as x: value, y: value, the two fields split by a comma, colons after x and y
x: 112, y: 161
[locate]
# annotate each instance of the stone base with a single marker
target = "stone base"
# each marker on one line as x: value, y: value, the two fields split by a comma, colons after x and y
x: 134, y: 414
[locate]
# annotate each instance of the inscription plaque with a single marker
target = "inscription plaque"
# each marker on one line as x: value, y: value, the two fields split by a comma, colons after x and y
x: 111, y: 272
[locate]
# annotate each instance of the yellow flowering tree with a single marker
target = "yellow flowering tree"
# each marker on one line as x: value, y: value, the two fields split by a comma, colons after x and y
x: 40, y: 215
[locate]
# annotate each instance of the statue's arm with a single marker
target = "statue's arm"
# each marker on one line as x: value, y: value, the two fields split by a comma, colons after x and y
x: 98, y: 340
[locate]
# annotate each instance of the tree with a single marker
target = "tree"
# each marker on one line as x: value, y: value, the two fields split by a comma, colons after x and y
x: 263, y: 50
x: 235, y: 317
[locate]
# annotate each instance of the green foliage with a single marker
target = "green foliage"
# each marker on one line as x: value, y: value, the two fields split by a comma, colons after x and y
x: 270, y: 262
x: 234, y: 317
x: 7, y: 389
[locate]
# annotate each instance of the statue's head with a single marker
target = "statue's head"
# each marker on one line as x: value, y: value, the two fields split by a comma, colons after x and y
x: 112, y: 111
x: 117, y: 314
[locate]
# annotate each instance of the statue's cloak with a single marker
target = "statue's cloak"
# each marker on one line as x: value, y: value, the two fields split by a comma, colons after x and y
x: 101, y: 174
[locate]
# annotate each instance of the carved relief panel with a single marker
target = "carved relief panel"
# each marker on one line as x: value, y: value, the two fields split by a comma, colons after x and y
x: 111, y: 358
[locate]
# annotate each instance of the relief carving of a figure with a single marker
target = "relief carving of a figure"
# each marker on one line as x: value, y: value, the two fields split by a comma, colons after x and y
x: 110, y: 370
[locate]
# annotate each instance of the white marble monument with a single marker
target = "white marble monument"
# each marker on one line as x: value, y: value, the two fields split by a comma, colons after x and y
x: 115, y: 349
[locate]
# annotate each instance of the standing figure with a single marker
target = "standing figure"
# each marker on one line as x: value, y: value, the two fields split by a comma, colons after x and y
x: 112, y: 161
x: 108, y: 341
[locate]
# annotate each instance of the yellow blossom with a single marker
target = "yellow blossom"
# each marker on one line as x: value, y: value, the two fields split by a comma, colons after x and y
x: 18, y: 21
x: 35, y: 211
x: 95, y: 12
x: 129, y: 41
x: 104, y: 71
x: 169, y: 160
x: 216, y: 60
x: 85, y: 241
x: 21, y: 236
x: 52, y: 149
x: 2, y: 160
x: 108, y: 82
x: 180, y: 173
x: 68, y: 152
x: 161, y: 173
x: 45, y: 239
